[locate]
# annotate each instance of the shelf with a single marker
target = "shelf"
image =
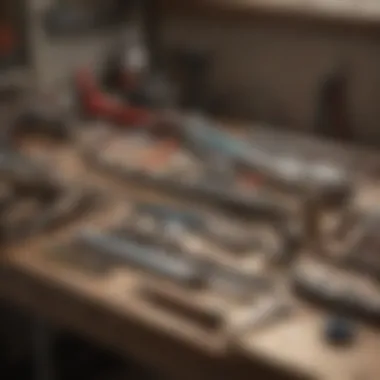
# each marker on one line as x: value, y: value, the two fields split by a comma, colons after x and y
x: 337, y: 12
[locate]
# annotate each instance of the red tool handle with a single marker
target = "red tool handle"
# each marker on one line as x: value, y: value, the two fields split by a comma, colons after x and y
x: 95, y: 103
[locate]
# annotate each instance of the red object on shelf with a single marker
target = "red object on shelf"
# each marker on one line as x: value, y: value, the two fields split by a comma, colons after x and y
x: 7, y: 40
x: 96, y: 103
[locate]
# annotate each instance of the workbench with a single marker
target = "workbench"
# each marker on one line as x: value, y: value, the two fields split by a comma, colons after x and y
x: 109, y: 311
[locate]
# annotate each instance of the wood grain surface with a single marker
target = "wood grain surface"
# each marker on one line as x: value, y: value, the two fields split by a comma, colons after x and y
x: 112, y: 310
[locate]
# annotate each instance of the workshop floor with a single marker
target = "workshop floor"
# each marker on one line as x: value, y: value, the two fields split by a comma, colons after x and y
x: 74, y: 357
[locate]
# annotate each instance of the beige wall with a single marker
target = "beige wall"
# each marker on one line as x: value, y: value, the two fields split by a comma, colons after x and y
x: 282, y: 66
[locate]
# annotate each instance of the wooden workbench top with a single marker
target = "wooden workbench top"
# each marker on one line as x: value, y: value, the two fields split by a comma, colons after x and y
x: 298, y: 343
x: 112, y: 310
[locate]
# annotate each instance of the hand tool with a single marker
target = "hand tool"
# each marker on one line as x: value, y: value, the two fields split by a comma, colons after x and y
x: 37, y: 201
x: 141, y: 236
x: 169, y: 234
x: 202, y: 136
x: 160, y: 211
x: 150, y: 258
x: 30, y: 181
x: 96, y: 104
x: 324, y: 285
x: 219, y: 277
x: 181, y: 269
x: 256, y: 205
x: 205, y: 317
x: 197, y: 223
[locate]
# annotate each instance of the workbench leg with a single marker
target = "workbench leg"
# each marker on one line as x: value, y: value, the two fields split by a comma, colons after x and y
x: 43, y: 356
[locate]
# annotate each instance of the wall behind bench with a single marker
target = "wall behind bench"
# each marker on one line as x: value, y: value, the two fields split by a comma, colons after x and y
x: 272, y: 69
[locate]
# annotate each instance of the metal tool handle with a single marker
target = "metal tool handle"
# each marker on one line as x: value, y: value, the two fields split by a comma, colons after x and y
x: 201, y: 134
x: 149, y: 258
